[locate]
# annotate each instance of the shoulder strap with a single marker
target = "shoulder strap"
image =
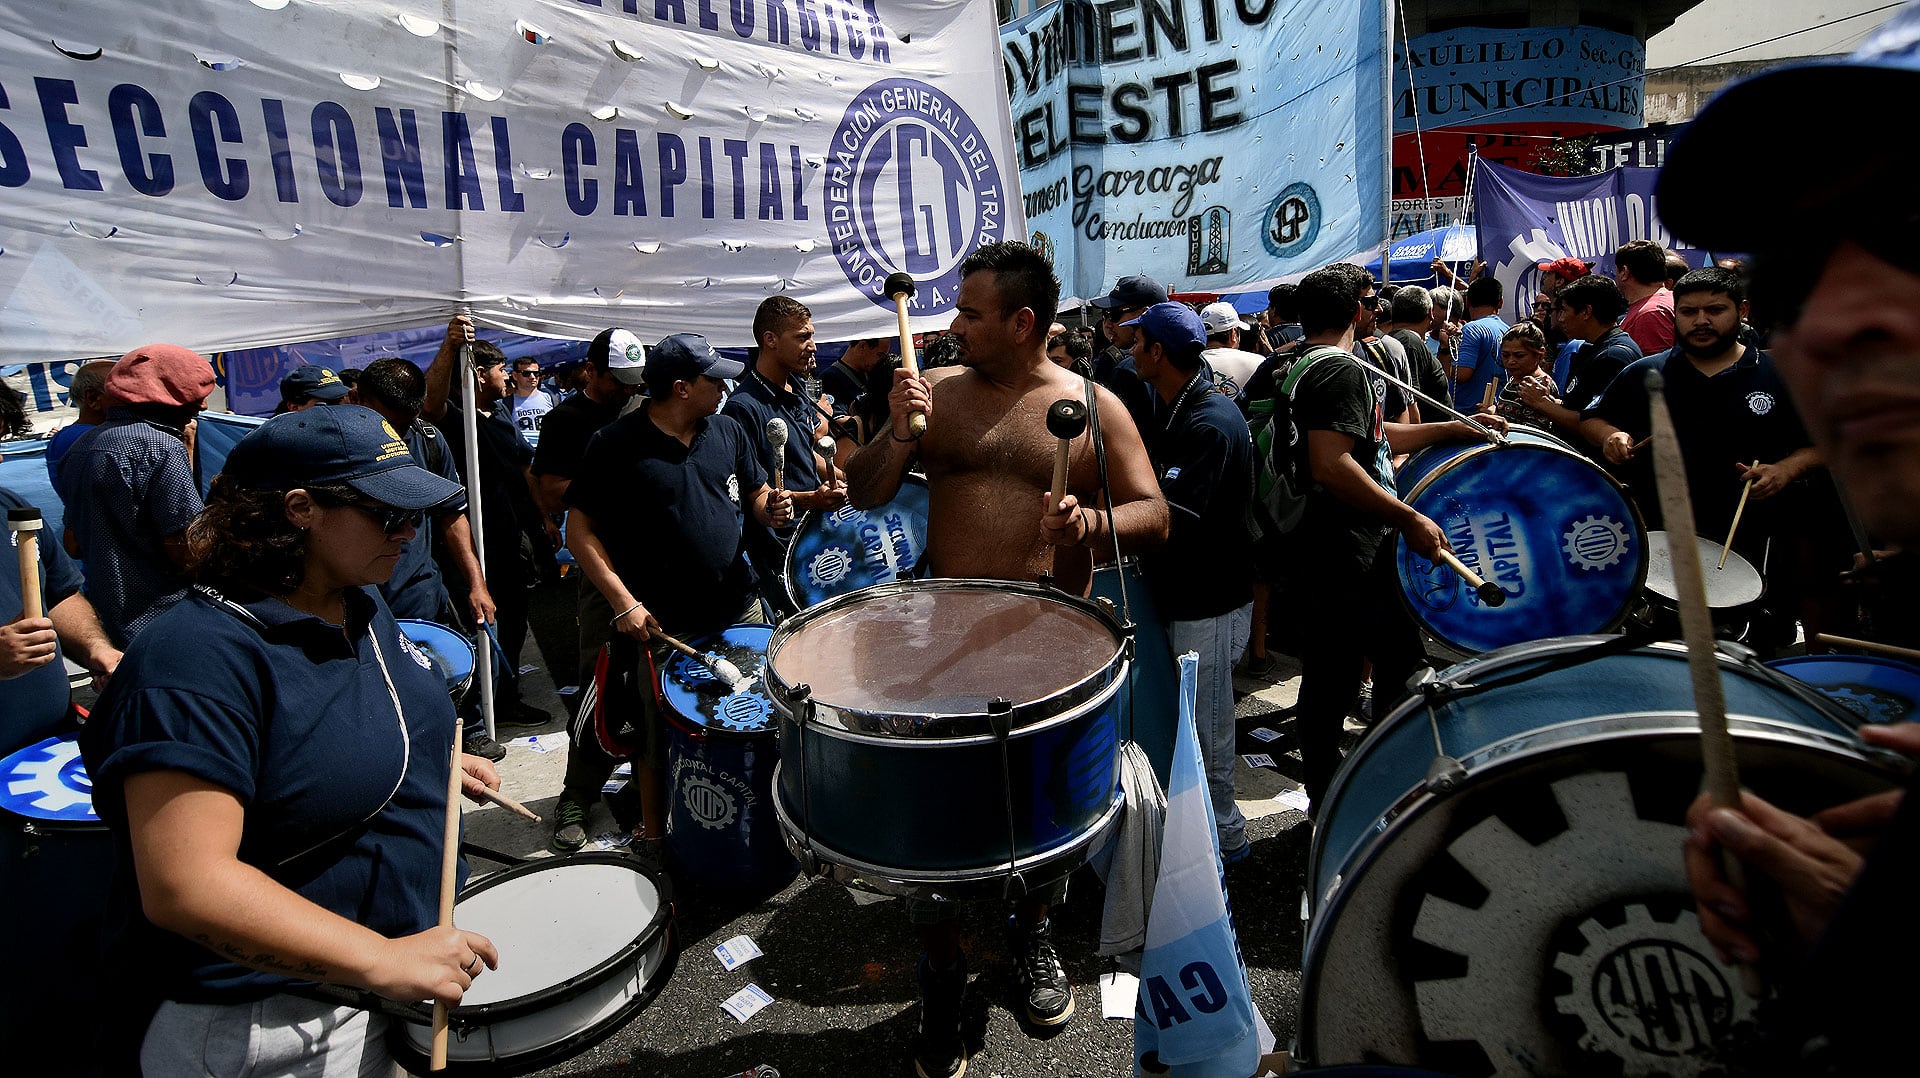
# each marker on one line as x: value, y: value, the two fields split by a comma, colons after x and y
x: 1313, y: 355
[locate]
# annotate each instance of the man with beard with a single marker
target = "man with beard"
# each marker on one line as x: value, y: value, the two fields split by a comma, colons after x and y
x: 1730, y: 409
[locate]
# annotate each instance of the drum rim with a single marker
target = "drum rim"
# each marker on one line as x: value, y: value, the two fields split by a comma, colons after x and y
x: 787, y: 565
x: 1788, y: 662
x: 1402, y: 551
x: 1023, y: 716
x: 473, y: 653
x: 480, y: 1014
x: 700, y: 730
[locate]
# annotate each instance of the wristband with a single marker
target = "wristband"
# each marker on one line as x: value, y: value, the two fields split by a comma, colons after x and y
x: 897, y: 438
x: 1085, y: 523
x: 624, y: 613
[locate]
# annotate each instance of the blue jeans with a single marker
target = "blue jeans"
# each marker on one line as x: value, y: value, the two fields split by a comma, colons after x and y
x: 1219, y: 641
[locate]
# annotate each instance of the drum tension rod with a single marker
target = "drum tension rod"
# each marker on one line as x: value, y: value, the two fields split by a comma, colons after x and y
x: 1000, y: 718
x: 800, y: 701
x: 1444, y: 772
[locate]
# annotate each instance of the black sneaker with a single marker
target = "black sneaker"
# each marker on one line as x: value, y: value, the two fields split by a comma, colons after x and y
x: 1049, y: 996
x: 939, y: 1048
x: 569, y: 824
x: 483, y: 746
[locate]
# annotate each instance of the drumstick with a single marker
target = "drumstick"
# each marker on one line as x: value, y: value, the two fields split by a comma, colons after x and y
x: 901, y: 288
x: 1491, y: 393
x: 777, y: 438
x: 721, y: 668
x: 508, y: 803
x: 1066, y: 420
x: 1696, y: 628
x: 1908, y: 654
x: 1489, y: 593
x: 449, y: 875
x: 1745, y: 489
x: 25, y: 523
x: 1641, y: 444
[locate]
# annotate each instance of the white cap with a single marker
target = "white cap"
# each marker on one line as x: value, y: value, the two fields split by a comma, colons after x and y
x: 626, y: 357
x: 1221, y: 317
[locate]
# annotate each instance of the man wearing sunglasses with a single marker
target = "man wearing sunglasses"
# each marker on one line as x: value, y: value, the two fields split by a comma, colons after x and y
x: 1837, y: 275
x: 527, y: 401
x: 1113, y: 368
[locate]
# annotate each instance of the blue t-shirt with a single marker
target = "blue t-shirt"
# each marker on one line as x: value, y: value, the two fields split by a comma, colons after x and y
x: 34, y: 705
x: 337, y: 743
x: 1479, y: 349
x: 58, y: 445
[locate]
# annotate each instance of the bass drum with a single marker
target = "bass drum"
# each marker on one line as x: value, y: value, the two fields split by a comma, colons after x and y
x: 1872, y: 688
x: 1558, y: 535
x: 1527, y: 911
x: 849, y: 549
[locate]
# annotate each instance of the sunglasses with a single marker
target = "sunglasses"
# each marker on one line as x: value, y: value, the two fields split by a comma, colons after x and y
x: 392, y: 520
x: 534, y: 373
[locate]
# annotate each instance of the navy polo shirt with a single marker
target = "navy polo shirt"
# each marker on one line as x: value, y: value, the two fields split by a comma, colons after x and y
x: 756, y: 400
x: 565, y: 431
x: 1595, y: 365
x: 416, y: 588
x: 843, y: 384
x: 34, y: 705
x: 1739, y: 415
x: 669, y: 515
x: 1204, y: 460
x: 344, y: 780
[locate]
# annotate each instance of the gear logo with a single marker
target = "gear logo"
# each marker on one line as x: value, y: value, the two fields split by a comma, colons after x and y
x: 912, y: 187
x: 413, y: 652
x: 1759, y: 402
x: 830, y: 566
x: 845, y: 514
x: 711, y: 806
x: 733, y: 489
x: 1595, y: 543
x: 743, y: 712
x: 48, y: 781
x: 1646, y: 988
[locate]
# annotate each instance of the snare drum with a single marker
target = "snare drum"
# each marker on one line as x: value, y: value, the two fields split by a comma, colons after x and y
x: 585, y: 942
x: 56, y: 864
x: 450, y: 653
x: 849, y: 549
x: 1871, y: 688
x: 722, y: 748
x: 1555, y: 532
x: 947, y: 737
x: 1527, y: 910
x: 1733, y: 590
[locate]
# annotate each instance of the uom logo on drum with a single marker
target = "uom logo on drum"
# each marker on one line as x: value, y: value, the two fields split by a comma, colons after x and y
x: 712, y: 806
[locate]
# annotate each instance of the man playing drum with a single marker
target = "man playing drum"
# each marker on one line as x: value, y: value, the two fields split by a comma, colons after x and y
x: 988, y: 458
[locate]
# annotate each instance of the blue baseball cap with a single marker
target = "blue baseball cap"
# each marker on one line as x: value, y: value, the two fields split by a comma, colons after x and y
x: 684, y: 357
x: 1138, y: 290
x: 344, y: 444
x: 312, y: 382
x: 1713, y: 193
x: 1174, y: 325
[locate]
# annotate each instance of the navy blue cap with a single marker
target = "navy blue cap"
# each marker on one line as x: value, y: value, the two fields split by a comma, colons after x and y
x: 312, y: 383
x: 1707, y: 198
x: 684, y: 357
x: 344, y: 444
x: 1138, y: 290
x: 1174, y: 325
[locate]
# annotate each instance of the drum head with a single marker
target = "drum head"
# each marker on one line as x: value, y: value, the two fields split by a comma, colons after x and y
x: 450, y: 654
x: 696, y: 695
x: 1554, y: 532
x: 1871, y: 688
x: 47, y: 782
x: 944, y: 647
x: 1736, y: 584
x: 849, y: 549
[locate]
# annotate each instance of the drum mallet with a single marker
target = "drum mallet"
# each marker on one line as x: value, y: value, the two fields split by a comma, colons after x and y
x: 721, y: 668
x: 900, y: 288
x: 1746, y: 488
x: 1490, y: 593
x: 777, y: 438
x: 449, y: 883
x: 25, y: 523
x: 1066, y: 420
x: 1696, y: 630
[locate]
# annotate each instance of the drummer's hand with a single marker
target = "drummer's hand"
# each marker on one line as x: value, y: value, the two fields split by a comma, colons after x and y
x: 1424, y: 537
x: 1618, y: 447
x: 829, y: 496
x: 1535, y: 393
x: 437, y: 964
x: 1062, y: 523
x: 26, y: 645
x: 1809, y: 869
x: 779, y: 507
x: 1493, y: 421
x: 910, y: 395
x: 1767, y: 479
x: 638, y: 623
x: 480, y: 601
x: 476, y: 774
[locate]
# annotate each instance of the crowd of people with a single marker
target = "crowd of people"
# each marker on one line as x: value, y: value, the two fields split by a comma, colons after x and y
x: 271, y: 752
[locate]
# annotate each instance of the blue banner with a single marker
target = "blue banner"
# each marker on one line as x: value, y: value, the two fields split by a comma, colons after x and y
x: 1540, y: 74
x: 1216, y: 147
x: 1525, y: 219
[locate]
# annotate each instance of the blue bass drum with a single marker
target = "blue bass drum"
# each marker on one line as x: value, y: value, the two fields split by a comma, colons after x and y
x: 948, y: 738
x: 1557, y: 534
x: 1497, y: 884
x: 849, y: 549
x: 449, y: 653
x: 721, y: 754
x: 1872, y: 688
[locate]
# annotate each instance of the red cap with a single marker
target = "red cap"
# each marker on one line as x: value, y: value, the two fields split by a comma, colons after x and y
x: 160, y: 374
x: 1567, y: 269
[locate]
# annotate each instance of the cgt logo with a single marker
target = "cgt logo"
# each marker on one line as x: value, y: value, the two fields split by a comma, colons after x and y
x: 911, y: 188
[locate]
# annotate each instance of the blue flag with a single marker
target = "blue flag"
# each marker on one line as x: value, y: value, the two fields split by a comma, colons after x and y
x: 1195, y: 1009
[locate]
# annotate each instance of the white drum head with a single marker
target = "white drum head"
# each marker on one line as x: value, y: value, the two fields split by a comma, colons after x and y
x: 555, y: 925
x: 1736, y: 584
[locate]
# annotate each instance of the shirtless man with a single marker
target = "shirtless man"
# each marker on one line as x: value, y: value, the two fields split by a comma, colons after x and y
x: 988, y: 456
x: 989, y: 461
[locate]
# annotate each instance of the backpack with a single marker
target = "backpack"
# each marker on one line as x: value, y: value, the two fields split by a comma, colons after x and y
x: 1280, y: 476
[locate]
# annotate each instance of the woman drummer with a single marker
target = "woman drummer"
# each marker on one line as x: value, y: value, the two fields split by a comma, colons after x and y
x: 272, y: 757
x: 1523, y: 354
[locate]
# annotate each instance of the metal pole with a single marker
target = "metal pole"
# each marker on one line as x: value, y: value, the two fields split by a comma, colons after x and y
x: 470, y: 431
x: 1386, y: 154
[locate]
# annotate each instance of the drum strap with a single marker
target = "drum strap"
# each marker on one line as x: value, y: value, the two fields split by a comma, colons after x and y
x: 1440, y: 692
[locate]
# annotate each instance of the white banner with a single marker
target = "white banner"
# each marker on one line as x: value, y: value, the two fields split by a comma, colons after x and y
x: 236, y: 173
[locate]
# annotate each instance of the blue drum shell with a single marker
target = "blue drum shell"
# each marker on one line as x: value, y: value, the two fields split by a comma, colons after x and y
x: 1873, y: 689
x: 849, y: 549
